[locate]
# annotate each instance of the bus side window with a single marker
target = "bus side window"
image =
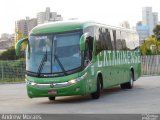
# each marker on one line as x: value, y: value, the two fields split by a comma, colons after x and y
x: 124, y: 39
x: 98, y: 42
x: 89, y: 43
x: 118, y: 40
x: 103, y: 40
x: 108, y: 41
x: 89, y: 48
x: 112, y: 39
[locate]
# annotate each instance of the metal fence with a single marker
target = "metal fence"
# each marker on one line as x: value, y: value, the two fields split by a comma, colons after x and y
x: 150, y: 65
x: 12, y: 71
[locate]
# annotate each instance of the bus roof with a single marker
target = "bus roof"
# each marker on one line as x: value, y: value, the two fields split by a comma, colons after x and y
x: 62, y: 26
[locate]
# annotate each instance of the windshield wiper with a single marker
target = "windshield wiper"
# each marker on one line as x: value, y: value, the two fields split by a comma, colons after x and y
x: 60, y: 64
x: 42, y: 63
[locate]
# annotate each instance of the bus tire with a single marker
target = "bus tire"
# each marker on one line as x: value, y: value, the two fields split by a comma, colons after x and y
x: 96, y: 94
x: 51, y: 98
x: 128, y: 85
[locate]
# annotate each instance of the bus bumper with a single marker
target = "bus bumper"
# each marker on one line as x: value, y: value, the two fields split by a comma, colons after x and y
x: 74, y: 89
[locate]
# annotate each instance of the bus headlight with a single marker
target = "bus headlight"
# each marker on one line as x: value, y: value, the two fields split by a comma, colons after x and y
x: 73, y: 81
x: 28, y: 82
x: 33, y: 83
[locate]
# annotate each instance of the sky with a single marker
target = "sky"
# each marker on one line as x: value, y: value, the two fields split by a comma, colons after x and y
x: 110, y: 12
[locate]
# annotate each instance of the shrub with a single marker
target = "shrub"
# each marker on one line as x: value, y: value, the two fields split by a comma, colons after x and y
x: 10, y: 54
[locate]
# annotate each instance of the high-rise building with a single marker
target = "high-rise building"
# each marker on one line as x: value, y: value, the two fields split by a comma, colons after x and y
x: 143, y: 31
x: 149, y: 18
x: 24, y: 26
x: 155, y: 18
x: 40, y: 17
x: 48, y: 16
x: 31, y: 23
x: 21, y: 26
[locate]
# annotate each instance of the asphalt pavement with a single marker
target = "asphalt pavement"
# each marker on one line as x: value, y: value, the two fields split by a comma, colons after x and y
x: 143, y: 98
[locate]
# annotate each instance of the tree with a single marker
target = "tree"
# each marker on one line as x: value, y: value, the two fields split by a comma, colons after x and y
x: 10, y: 54
x: 150, y: 47
x: 20, y: 35
x: 156, y: 31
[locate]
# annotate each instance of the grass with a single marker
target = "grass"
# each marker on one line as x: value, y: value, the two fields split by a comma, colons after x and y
x: 15, y: 80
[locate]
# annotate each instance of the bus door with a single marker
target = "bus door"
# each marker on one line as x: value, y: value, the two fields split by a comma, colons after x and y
x: 88, y: 62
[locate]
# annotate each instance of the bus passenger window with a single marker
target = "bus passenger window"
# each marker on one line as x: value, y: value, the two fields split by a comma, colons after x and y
x: 118, y: 40
x: 104, y: 41
x: 113, y: 39
x: 108, y: 41
x: 89, y: 48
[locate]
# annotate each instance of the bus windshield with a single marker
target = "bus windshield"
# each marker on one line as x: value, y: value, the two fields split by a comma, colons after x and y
x: 53, y: 53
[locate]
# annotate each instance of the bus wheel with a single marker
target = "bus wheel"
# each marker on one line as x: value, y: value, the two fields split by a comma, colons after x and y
x: 128, y: 85
x: 96, y: 94
x: 51, y: 98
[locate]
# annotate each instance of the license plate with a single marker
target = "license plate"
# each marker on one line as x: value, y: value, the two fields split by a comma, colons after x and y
x: 53, y: 92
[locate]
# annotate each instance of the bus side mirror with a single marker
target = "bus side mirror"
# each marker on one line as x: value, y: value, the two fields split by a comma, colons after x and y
x: 83, y: 41
x: 18, y: 45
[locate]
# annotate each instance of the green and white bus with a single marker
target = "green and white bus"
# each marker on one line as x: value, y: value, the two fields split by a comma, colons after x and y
x: 79, y: 58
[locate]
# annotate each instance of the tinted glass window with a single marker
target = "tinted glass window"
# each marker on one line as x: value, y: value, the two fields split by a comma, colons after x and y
x: 103, y: 38
x: 108, y: 40
x: 113, y: 39
x: 118, y: 40
x: 89, y: 42
x: 98, y: 40
x: 123, y: 40
x: 114, y: 43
